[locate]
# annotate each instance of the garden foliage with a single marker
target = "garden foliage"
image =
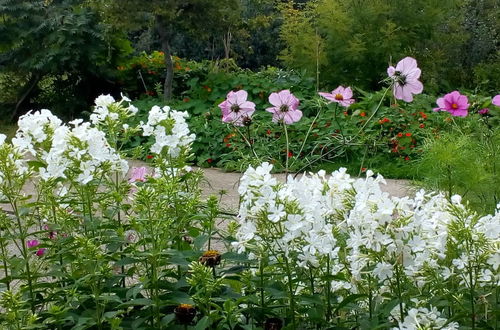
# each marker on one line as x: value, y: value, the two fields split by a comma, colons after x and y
x: 95, y: 249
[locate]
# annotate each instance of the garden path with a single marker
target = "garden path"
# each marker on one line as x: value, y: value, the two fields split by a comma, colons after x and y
x: 216, y: 180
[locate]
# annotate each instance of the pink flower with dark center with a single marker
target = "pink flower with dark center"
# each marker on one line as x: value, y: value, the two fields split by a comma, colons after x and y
x: 32, y: 243
x: 138, y: 174
x: 285, y: 107
x: 496, y: 100
x: 405, y: 76
x: 40, y: 252
x: 236, y: 108
x: 340, y: 95
x: 454, y: 103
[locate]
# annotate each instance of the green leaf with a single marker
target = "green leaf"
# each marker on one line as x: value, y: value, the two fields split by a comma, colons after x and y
x: 350, y: 299
x: 203, y: 323
x: 137, y: 302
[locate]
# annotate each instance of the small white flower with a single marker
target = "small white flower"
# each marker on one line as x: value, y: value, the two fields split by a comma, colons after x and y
x: 104, y: 100
x: 383, y: 270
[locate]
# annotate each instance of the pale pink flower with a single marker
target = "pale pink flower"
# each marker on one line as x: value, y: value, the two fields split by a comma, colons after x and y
x: 32, y: 243
x: 235, y: 109
x: 405, y: 76
x: 496, y: 100
x: 285, y: 107
x: 138, y: 174
x: 454, y: 103
x: 340, y: 95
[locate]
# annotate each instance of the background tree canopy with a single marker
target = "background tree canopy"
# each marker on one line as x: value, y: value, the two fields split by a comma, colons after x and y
x: 62, y: 53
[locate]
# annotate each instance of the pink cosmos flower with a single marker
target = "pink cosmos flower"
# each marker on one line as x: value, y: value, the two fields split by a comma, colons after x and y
x: 236, y: 108
x: 405, y: 76
x: 32, y: 243
x: 138, y: 174
x: 341, y: 95
x: 496, y: 100
x: 40, y: 252
x: 285, y: 107
x: 484, y: 111
x: 454, y: 103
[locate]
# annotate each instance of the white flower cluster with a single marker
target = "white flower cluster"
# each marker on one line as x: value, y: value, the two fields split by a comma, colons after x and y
x: 423, y: 318
x: 35, y: 128
x: 79, y: 150
x: 363, y: 230
x: 169, y: 129
x: 12, y: 164
x: 107, y: 108
x: 82, y: 152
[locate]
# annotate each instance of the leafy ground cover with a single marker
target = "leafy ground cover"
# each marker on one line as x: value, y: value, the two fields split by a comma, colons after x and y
x: 394, y: 137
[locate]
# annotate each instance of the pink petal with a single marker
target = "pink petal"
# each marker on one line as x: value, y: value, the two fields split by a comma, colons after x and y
x: 415, y: 86
x: 459, y: 113
x: 406, y: 65
x: 247, y: 105
x: 407, y: 95
x: 292, y: 116
x: 328, y: 96
x: 285, y: 96
x: 390, y: 71
x: 338, y: 90
x: 232, y: 97
x: 441, y: 103
x: 273, y: 109
x: 496, y: 100
x: 241, y: 96
x: 348, y: 93
x: 275, y: 100
x: 413, y: 74
x: 462, y: 102
x: 398, y: 92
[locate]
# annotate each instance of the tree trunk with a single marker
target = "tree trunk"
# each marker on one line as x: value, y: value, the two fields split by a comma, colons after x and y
x: 161, y: 27
x: 27, y: 89
x: 226, y: 40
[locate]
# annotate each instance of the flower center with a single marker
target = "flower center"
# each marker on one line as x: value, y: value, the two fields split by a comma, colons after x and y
x: 284, y: 108
x: 454, y: 106
x: 339, y: 97
x: 235, y: 108
x: 400, y: 78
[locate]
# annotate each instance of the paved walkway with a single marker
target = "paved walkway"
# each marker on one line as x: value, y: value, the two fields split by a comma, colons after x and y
x: 218, y: 180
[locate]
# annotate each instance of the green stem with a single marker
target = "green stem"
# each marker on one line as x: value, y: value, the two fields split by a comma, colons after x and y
x: 398, y: 285
x: 370, y: 296
x: 291, y: 291
x: 328, y: 291
x: 247, y: 142
x: 308, y: 132
x: 4, y: 262
x: 24, y: 252
x: 335, y: 118
x: 261, y: 275
x: 287, y: 150
x: 472, y: 295
x: 309, y: 163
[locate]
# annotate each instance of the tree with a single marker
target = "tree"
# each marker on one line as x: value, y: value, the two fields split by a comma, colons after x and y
x: 449, y: 38
x: 170, y: 19
x: 41, y: 38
